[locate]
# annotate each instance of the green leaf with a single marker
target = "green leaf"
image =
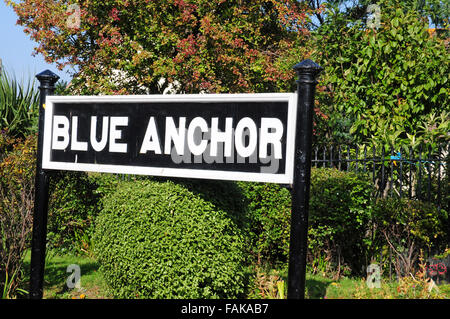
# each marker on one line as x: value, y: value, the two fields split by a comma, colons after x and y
x: 395, y: 22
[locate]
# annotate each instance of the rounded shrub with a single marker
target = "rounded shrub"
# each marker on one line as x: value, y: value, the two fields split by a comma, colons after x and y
x: 161, y: 239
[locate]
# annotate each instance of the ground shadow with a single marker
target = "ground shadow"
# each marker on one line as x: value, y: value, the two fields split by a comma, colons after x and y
x: 56, y: 273
x: 317, y: 289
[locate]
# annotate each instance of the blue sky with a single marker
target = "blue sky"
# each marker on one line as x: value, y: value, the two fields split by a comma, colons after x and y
x: 16, y: 49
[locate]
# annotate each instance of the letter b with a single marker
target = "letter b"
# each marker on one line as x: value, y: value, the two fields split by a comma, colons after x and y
x: 257, y: 308
x: 60, y: 130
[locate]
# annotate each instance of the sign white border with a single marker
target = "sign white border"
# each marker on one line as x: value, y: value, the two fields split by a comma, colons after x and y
x: 286, y: 178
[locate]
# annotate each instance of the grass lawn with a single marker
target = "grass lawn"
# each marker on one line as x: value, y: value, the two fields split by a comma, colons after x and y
x: 92, y: 285
x: 267, y: 284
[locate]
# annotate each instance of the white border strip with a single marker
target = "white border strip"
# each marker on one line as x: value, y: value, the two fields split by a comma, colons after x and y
x: 286, y: 178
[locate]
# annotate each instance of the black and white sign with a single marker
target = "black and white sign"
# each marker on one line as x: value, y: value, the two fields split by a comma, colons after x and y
x: 247, y: 137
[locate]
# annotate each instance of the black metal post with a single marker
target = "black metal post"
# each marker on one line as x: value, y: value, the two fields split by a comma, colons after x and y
x: 307, y: 72
x: 47, y: 80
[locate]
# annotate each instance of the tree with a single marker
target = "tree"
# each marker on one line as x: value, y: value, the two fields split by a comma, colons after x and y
x: 391, y: 81
x: 121, y: 46
x: 437, y: 11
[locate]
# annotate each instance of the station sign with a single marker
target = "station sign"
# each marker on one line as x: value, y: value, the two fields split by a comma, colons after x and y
x: 247, y: 137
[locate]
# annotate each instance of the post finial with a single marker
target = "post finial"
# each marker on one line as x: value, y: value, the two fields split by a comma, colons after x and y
x: 307, y: 71
x: 307, y: 65
x: 47, y: 79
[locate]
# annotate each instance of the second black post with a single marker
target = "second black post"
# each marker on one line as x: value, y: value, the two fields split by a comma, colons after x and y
x: 307, y: 73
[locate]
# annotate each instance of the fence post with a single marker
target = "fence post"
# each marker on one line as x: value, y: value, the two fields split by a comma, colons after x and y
x: 307, y: 72
x: 47, y: 80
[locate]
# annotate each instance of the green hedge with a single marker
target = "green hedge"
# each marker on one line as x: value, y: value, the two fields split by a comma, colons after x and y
x: 345, y: 223
x: 161, y: 239
x: 270, y: 207
x: 340, y: 204
x: 74, y: 203
x: 340, y: 210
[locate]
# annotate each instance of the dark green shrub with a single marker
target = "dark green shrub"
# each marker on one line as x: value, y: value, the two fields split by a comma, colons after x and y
x: 160, y: 239
x: 407, y: 227
x: 270, y: 206
x: 106, y: 183
x: 340, y: 208
x: 73, y: 206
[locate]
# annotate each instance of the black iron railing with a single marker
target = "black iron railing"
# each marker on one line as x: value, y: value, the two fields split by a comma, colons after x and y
x: 420, y: 174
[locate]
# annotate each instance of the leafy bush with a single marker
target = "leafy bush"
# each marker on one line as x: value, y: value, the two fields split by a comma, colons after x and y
x: 407, y: 227
x: 73, y: 206
x: 17, y: 169
x: 160, y: 239
x: 270, y: 206
x: 340, y: 208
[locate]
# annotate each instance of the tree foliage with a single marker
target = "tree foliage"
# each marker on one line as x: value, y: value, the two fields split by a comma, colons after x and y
x: 391, y: 81
x: 141, y: 46
x: 436, y: 11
